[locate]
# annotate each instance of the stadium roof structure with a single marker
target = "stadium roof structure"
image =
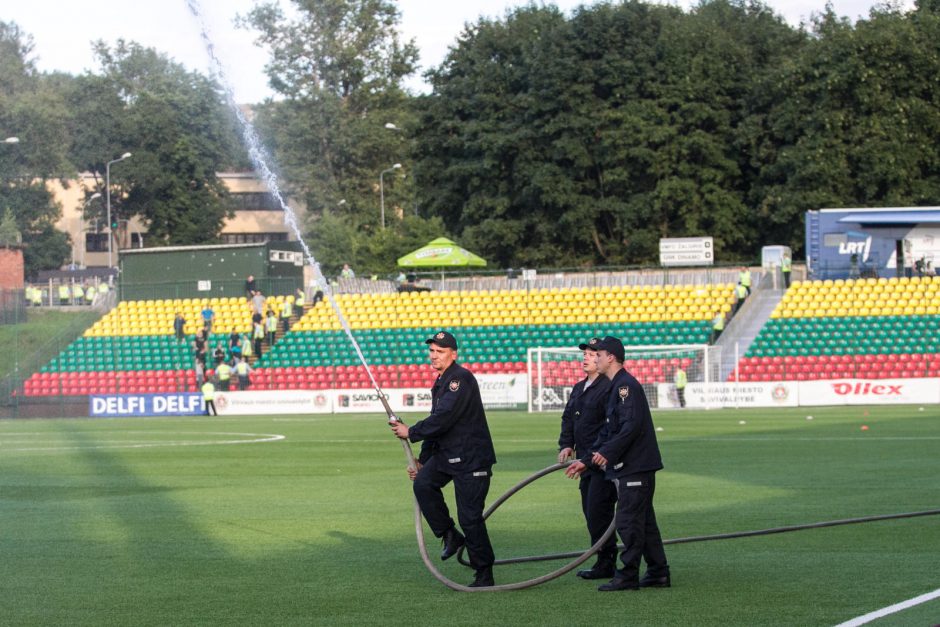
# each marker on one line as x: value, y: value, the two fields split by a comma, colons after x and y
x: 891, y: 215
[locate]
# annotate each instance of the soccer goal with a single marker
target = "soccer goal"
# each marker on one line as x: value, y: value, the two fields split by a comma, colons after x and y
x: 554, y: 371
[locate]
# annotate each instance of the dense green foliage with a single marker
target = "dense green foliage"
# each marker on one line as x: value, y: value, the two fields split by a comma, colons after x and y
x: 167, y: 521
x: 547, y: 139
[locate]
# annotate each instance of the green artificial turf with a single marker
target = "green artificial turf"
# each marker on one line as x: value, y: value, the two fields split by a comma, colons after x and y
x: 163, y: 521
x: 41, y: 337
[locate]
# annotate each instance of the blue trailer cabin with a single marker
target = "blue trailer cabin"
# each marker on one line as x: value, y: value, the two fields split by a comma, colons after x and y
x: 872, y: 242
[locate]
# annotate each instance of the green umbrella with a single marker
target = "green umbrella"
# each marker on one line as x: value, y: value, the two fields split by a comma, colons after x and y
x: 440, y: 253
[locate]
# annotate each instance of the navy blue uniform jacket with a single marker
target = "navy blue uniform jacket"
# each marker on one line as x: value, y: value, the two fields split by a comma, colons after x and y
x: 456, y: 432
x: 584, y: 415
x: 628, y: 439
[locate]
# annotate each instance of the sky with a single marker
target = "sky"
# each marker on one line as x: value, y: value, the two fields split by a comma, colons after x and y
x: 62, y: 31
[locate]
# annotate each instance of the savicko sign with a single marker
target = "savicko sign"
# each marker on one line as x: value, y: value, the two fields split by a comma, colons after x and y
x: 115, y: 405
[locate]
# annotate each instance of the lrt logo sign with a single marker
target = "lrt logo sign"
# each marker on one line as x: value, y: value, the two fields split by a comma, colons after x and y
x: 862, y: 248
x: 866, y: 389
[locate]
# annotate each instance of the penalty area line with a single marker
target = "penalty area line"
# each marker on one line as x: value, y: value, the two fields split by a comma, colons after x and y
x: 891, y: 609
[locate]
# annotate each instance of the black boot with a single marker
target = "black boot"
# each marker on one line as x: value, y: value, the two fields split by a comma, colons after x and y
x: 603, y: 569
x: 649, y: 581
x: 483, y: 578
x: 452, y: 541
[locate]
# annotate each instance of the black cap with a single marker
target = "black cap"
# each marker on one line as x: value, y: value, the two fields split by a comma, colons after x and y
x: 592, y: 344
x: 612, y: 345
x: 443, y: 339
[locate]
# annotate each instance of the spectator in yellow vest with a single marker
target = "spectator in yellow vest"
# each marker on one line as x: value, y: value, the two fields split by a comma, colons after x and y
x: 286, y: 311
x: 744, y: 278
x: 64, y: 294
x: 208, y: 397
x: 681, y: 380
x: 224, y: 372
x: 718, y: 325
x: 77, y: 293
x: 786, y: 265
x: 270, y: 326
x: 243, y: 370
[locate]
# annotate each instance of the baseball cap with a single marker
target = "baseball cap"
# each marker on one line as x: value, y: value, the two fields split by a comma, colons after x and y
x: 612, y: 345
x: 592, y: 344
x: 443, y: 339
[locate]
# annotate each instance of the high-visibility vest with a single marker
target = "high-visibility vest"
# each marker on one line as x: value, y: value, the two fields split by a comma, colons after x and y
x: 286, y: 309
x: 299, y: 300
x: 259, y: 332
x: 785, y: 264
x: 224, y: 371
x: 744, y: 278
x: 36, y: 296
x: 740, y: 291
x: 90, y: 294
x: 64, y: 292
x: 270, y: 323
x: 103, y: 289
x: 241, y: 368
x: 77, y: 290
x: 246, y: 348
x: 681, y: 378
x: 208, y: 391
x: 719, y: 323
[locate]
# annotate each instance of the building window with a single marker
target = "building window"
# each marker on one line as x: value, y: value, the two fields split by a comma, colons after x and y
x: 253, y: 201
x: 96, y: 242
x: 253, y: 238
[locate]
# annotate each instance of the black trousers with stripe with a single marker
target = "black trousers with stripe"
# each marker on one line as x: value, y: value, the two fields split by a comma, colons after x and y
x: 598, y: 501
x: 636, y: 525
x: 470, y: 493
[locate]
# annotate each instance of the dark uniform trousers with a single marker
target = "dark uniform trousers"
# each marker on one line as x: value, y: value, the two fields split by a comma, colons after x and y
x: 598, y: 498
x: 470, y: 491
x: 636, y: 524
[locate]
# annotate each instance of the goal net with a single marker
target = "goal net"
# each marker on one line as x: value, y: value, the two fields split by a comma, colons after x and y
x: 554, y: 371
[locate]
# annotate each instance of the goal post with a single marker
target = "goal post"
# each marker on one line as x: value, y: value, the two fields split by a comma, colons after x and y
x: 553, y: 371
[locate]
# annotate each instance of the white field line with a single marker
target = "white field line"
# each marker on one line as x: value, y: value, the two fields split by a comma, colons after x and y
x: 891, y: 609
x: 255, y: 438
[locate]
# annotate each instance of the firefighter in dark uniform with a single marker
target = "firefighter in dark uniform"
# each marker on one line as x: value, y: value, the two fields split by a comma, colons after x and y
x: 456, y: 446
x: 580, y: 423
x: 627, y: 450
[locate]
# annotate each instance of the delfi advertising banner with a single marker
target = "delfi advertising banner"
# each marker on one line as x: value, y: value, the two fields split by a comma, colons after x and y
x: 115, y: 405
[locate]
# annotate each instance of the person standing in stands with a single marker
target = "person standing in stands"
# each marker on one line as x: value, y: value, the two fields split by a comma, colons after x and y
x: 744, y: 278
x: 718, y: 325
x: 250, y: 287
x: 786, y: 265
x: 740, y: 294
x: 257, y: 305
x: 257, y: 334
x: 199, y: 346
x: 347, y: 272
x: 224, y: 373
x: 270, y: 327
x: 247, y: 348
x: 243, y: 370
x: 299, y: 298
x: 286, y: 311
x: 219, y: 354
x: 199, y: 369
x: 581, y: 421
x: 208, y: 397
x: 64, y: 294
x: 207, y: 317
x: 90, y: 295
x: 179, y: 327
x: 627, y: 451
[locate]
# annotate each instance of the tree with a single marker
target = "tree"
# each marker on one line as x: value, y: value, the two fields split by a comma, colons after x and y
x: 32, y: 109
x: 179, y: 131
x: 339, y: 65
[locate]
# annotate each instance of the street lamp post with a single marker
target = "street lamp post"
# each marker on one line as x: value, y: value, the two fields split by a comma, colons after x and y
x: 107, y: 185
x: 382, y: 188
x: 81, y: 231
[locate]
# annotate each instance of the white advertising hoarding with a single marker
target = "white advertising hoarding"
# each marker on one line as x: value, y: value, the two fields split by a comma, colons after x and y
x: 714, y: 395
x: 869, y: 391
x: 273, y: 402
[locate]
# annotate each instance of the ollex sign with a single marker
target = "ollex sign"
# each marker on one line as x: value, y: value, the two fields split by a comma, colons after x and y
x: 869, y: 392
x: 185, y: 404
